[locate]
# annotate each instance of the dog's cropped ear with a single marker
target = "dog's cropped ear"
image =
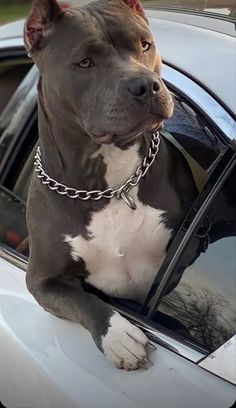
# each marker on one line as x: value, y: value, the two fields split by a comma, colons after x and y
x: 43, y: 13
x: 136, y: 6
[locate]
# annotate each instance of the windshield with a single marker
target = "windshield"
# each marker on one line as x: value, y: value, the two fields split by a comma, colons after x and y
x: 221, y: 7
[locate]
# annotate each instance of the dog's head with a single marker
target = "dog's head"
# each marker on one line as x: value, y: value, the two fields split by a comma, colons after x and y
x: 100, y: 66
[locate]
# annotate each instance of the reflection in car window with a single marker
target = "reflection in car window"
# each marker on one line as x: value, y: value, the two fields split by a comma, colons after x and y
x: 193, y: 132
x: 13, y: 230
x: 16, y: 111
x: 204, y: 301
x: 11, y: 75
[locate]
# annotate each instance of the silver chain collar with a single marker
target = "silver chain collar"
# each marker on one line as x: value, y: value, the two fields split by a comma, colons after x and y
x: 121, y: 192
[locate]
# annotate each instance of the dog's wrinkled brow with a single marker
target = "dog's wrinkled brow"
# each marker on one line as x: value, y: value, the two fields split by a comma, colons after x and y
x: 94, y: 46
x: 91, y: 46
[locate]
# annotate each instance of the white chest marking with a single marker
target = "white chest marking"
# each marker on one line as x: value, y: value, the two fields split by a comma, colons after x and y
x: 121, y: 164
x: 127, y: 246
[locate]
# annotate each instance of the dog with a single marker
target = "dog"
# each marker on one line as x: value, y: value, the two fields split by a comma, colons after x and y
x: 108, y: 193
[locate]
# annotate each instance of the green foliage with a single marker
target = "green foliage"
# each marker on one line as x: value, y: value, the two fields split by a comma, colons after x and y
x: 12, y: 12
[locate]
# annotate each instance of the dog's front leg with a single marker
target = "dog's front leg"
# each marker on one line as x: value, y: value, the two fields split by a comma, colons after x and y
x: 122, y: 343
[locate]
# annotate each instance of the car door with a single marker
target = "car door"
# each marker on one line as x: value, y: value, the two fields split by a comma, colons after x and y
x: 50, y: 362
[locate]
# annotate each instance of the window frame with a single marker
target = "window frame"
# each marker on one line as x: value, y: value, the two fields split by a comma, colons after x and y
x: 160, y: 335
x: 13, y: 49
x: 213, y: 111
x: 189, y: 228
x: 22, y: 107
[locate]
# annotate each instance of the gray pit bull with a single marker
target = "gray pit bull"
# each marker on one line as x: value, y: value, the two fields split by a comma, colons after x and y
x: 101, y: 101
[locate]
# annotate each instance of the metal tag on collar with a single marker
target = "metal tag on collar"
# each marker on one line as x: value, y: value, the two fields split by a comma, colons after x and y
x: 128, y: 200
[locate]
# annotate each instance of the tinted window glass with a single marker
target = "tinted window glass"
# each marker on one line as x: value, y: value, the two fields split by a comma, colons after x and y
x: 16, y: 112
x: 13, y: 231
x: 11, y: 75
x: 204, y: 300
x: 193, y: 133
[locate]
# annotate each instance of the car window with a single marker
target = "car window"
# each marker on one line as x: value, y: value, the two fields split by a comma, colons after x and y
x: 16, y: 117
x: 13, y: 230
x: 199, y: 299
x: 22, y: 184
x: 12, y: 73
x: 195, y: 135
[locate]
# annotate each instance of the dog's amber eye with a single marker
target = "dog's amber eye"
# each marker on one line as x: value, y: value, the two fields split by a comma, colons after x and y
x: 86, y: 63
x: 145, y: 46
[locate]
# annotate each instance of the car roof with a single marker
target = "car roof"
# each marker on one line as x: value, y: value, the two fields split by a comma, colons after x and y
x: 203, y: 48
x: 205, y: 52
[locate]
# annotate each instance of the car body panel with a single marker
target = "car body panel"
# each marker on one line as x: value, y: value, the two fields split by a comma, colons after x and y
x: 12, y: 30
x: 11, y: 43
x: 60, y: 358
x: 215, y: 361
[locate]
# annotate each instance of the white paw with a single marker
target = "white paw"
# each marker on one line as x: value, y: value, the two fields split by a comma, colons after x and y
x: 124, y: 344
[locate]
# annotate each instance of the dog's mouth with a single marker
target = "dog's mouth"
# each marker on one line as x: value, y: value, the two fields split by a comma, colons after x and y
x: 126, y: 137
x: 151, y: 121
x: 106, y: 138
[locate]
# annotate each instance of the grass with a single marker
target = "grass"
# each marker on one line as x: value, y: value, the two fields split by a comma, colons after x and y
x: 13, y: 12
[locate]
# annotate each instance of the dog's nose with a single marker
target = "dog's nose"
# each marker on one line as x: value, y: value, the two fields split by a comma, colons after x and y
x: 142, y: 88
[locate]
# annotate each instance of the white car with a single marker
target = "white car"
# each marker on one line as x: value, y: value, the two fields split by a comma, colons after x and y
x: 46, y: 362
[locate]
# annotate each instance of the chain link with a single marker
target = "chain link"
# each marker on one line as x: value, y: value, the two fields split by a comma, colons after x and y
x: 97, y: 194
